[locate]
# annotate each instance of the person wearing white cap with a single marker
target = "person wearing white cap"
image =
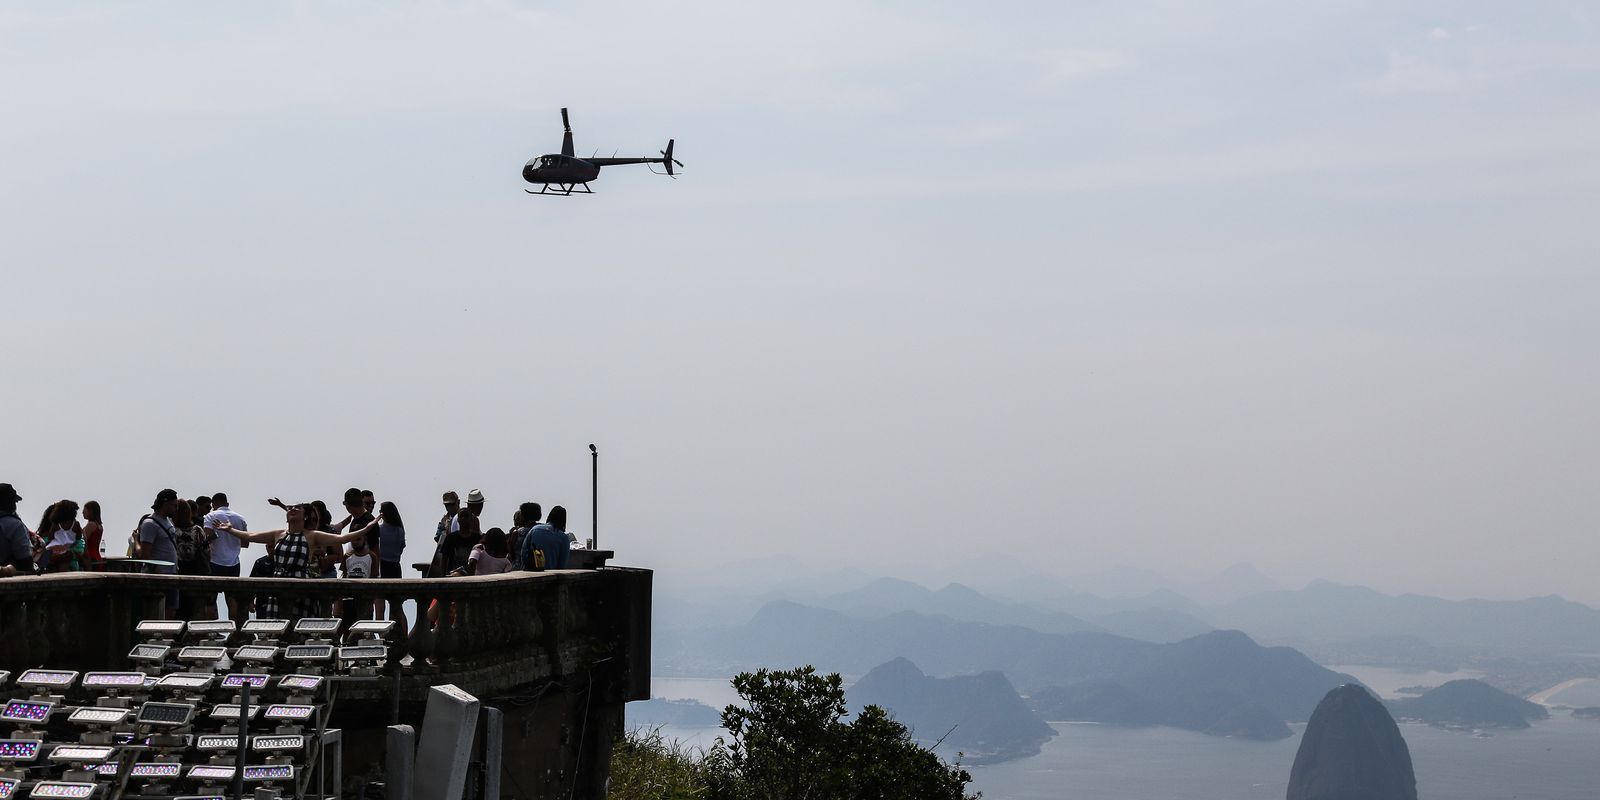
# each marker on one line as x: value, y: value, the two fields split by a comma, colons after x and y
x: 475, y: 503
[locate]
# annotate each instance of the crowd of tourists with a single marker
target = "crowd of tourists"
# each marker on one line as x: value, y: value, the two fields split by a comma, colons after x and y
x: 205, y: 536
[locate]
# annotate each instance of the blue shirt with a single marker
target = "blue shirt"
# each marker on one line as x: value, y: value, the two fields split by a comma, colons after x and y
x: 553, y: 542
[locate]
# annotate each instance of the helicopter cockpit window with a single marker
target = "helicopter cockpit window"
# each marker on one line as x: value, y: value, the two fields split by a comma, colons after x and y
x: 547, y: 161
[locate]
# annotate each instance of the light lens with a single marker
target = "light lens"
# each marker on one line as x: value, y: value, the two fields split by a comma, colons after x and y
x: 62, y: 789
x: 19, y: 749
x: 113, y: 679
x: 94, y: 715
x: 25, y: 711
x: 46, y: 677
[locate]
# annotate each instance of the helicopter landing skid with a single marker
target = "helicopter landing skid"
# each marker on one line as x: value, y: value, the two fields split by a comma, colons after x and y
x: 562, y: 189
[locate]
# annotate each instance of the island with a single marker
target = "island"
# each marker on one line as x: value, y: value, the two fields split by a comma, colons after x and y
x: 1469, y: 705
x: 980, y: 716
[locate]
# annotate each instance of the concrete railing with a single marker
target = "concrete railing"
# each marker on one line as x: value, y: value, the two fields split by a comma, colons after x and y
x: 494, y: 632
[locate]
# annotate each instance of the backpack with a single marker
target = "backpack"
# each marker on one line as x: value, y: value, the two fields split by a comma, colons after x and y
x: 194, y: 550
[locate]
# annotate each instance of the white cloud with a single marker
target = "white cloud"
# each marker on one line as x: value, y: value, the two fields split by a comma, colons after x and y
x: 1071, y: 64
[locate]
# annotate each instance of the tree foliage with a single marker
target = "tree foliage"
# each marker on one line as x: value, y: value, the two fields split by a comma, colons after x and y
x: 790, y: 741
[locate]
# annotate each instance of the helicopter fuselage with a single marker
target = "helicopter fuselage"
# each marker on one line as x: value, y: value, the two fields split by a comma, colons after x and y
x: 561, y: 169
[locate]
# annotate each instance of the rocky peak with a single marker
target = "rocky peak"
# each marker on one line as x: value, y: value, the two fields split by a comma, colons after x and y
x: 1352, y: 750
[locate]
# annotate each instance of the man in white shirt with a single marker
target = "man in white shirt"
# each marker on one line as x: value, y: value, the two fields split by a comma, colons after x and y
x: 225, y: 551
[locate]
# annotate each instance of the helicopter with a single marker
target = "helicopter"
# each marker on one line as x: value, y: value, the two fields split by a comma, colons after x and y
x: 562, y: 175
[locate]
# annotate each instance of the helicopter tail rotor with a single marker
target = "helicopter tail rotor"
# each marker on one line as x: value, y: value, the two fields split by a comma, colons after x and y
x: 667, y: 159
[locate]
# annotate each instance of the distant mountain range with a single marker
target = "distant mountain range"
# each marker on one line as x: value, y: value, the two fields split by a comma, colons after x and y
x: 981, y: 716
x: 1220, y: 682
x: 889, y: 595
x: 1332, y: 612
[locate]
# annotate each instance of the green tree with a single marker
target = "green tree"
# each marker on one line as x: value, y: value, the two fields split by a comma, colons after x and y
x: 790, y: 742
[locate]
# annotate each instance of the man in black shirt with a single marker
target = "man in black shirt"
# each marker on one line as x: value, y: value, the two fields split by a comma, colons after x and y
x: 360, y: 517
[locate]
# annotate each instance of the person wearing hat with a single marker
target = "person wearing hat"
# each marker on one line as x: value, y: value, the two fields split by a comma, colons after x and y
x: 158, y: 539
x: 16, y: 550
x: 447, y: 523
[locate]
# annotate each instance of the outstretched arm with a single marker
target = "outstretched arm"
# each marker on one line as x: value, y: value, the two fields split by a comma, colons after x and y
x: 323, y: 539
x: 259, y: 537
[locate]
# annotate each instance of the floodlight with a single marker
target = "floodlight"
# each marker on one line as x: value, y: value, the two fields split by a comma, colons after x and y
x: 27, y: 711
x: 290, y: 712
x: 308, y: 652
x: 23, y: 750
x: 8, y: 787
x: 210, y: 772
x: 364, y: 652
x: 47, y: 678
x: 113, y: 680
x: 269, y: 772
x: 82, y: 753
x: 160, y: 627
x: 213, y: 626
x: 266, y: 627
x: 66, y: 789
x: 216, y: 741
x: 168, y: 715
x: 255, y: 652
x: 149, y: 652
x: 277, y: 743
x: 300, y: 683
x: 98, y: 715
x: 5, y: 674
x: 202, y: 653
x: 156, y: 769
x: 379, y: 627
x: 317, y: 625
x: 230, y: 711
x: 234, y: 680
x: 186, y: 681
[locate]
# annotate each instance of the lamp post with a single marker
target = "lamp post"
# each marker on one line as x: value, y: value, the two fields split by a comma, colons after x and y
x: 594, y: 498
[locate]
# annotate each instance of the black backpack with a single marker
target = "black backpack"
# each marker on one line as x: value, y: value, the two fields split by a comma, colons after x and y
x: 194, y: 550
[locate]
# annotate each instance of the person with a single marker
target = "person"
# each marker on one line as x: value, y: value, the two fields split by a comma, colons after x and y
x: 454, y: 549
x: 490, y: 556
x: 16, y: 553
x: 391, y: 546
x: 327, y: 557
x: 547, y: 542
x: 62, y: 540
x: 94, y: 531
x: 202, y: 507
x: 224, y: 552
x: 359, y: 561
x: 194, y: 554
x: 391, y: 540
x: 361, y: 516
x: 369, y: 501
x: 475, y: 503
x: 291, y: 547
x: 447, y: 523
x: 158, y: 541
x: 526, y: 517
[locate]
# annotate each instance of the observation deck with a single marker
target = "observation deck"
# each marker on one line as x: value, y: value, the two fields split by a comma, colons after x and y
x: 559, y: 653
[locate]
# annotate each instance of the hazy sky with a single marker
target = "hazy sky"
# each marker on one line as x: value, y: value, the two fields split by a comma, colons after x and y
x: 1176, y: 284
